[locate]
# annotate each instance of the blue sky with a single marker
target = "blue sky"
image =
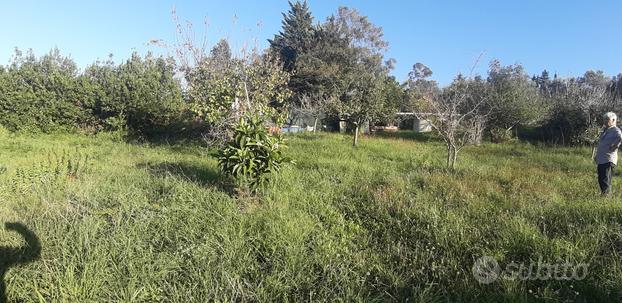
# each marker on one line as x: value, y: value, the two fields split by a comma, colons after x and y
x: 564, y: 37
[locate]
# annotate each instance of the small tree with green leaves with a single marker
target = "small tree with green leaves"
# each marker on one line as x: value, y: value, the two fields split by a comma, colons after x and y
x: 253, y: 155
x: 237, y: 95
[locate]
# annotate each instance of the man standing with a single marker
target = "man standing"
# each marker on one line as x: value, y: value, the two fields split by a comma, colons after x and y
x: 607, y: 152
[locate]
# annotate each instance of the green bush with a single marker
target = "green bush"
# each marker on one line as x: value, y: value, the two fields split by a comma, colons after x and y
x: 567, y: 125
x: 49, y: 94
x: 41, y: 94
x: 253, y: 154
x: 140, y: 95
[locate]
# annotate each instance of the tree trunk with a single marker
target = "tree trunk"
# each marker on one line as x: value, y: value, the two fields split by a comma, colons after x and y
x: 478, y: 139
x: 452, y: 156
x: 448, y: 155
x: 479, y: 132
x: 314, y: 125
x: 508, y: 133
x: 475, y: 137
x: 356, y: 135
x: 454, y: 159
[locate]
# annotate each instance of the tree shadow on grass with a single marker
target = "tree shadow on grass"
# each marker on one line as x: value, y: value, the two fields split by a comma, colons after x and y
x: 14, y: 256
x: 199, y: 174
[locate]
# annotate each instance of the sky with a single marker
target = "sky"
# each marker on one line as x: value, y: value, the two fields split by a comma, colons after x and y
x: 563, y: 37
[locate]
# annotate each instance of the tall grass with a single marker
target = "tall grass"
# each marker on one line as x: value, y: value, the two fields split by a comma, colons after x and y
x: 384, y: 221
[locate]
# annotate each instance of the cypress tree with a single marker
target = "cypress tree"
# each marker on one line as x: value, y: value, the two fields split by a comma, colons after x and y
x: 296, y: 36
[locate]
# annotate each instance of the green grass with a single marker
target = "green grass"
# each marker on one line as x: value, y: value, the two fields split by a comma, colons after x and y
x: 381, y: 222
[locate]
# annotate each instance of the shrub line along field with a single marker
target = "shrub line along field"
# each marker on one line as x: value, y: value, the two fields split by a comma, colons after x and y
x: 384, y: 221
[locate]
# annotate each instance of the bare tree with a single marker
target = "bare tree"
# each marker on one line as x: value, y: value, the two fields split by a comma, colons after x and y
x: 456, y: 114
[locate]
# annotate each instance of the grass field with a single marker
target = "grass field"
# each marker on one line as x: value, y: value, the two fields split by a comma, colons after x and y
x: 381, y: 222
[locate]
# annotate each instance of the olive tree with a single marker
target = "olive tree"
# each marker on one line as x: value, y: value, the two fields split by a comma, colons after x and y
x: 513, y: 100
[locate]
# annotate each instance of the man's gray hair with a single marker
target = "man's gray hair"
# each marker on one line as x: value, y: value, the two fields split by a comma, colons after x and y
x: 610, y: 116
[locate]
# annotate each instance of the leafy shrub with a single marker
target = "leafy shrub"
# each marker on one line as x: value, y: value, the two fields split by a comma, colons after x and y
x: 221, y: 87
x: 253, y: 154
x: 41, y: 94
x: 50, y: 94
x: 140, y: 95
x: 566, y: 125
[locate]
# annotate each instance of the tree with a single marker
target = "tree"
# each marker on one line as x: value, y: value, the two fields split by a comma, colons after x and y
x: 236, y: 95
x: 41, y: 94
x: 575, y: 107
x: 614, y: 90
x: 221, y: 54
x: 393, y: 97
x: 361, y: 102
x: 419, y: 87
x: 220, y: 97
x: 253, y: 154
x: 590, y: 90
x: 455, y: 112
x: 222, y: 87
x: 478, y: 92
x: 298, y: 47
x: 543, y: 82
x: 420, y: 71
x: 140, y: 94
x: 352, y: 62
x: 296, y: 36
x: 514, y: 99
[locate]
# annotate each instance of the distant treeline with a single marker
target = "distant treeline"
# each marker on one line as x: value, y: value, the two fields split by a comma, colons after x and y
x: 50, y: 94
x: 332, y: 70
x: 565, y: 111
